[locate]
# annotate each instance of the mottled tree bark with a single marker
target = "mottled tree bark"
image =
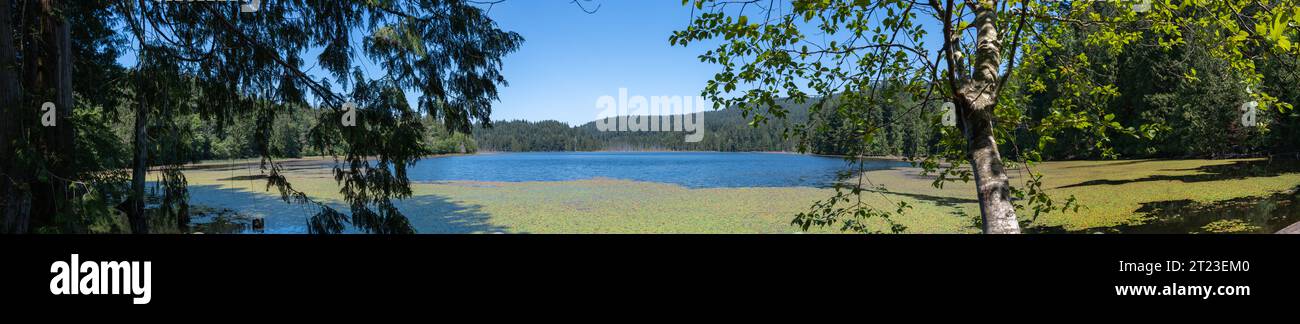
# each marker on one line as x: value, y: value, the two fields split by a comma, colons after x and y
x: 977, y: 100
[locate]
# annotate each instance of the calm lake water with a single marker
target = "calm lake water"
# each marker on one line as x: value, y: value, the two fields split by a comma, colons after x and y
x: 431, y: 214
x: 689, y: 169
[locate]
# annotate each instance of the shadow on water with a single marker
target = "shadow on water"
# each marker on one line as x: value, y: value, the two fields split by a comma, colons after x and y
x: 285, y: 165
x: 237, y: 210
x: 1232, y: 171
x: 1260, y: 215
x: 1107, y: 164
x: 938, y: 200
x: 245, y: 178
x: 437, y: 215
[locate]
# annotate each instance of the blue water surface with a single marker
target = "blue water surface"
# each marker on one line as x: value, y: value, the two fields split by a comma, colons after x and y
x: 689, y: 169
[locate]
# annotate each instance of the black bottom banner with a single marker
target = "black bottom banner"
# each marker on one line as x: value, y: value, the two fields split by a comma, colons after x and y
x: 796, y: 272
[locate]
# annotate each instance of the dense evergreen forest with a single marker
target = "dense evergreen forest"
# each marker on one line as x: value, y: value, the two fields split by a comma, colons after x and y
x: 726, y: 130
x: 1181, y: 103
x: 288, y: 135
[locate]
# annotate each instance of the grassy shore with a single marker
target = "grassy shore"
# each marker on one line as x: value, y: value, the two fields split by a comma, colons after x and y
x: 1114, y: 194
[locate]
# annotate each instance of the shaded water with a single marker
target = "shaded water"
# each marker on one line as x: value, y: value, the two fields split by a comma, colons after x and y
x: 1249, y: 215
x: 1261, y: 215
x: 244, y: 212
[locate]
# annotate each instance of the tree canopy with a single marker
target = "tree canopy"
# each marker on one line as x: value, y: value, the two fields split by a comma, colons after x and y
x: 1017, y: 69
x: 210, y: 60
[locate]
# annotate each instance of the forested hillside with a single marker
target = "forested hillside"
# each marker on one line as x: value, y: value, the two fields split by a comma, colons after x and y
x: 726, y: 130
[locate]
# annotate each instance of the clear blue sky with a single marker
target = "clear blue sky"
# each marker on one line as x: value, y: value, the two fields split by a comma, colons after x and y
x: 571, y: 58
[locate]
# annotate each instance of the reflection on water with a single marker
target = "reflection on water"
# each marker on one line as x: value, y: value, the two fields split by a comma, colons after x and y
x: 226, y: 221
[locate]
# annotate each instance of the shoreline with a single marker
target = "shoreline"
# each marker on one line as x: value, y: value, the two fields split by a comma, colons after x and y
x: 328, y: 160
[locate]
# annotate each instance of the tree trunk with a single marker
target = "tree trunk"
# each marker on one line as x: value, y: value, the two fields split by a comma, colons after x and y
x: 978, y: 99
x: 59, y: 139
x: 48, y: 52
x: 991, y: 180
x: 135, y: 210
x: 62, y: 35
x: 15, y: 217
x: 9, y: 95
x: 40, y: 53
x: 140, y: 170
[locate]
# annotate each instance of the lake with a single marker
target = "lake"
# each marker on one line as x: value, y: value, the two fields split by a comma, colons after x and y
x: 689, y: 169
x: 1163, y: 196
